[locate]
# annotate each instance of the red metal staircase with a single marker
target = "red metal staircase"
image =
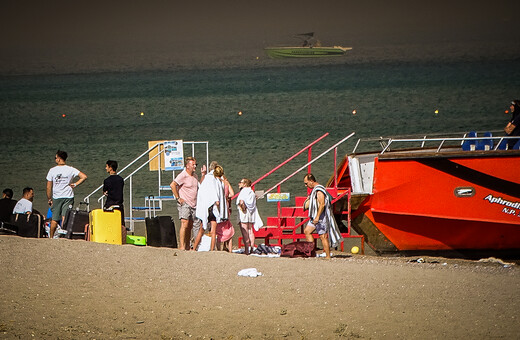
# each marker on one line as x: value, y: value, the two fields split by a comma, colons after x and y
x: 290, y: 221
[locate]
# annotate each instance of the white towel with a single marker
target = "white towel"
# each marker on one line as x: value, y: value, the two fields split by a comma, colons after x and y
x: 248, y: 196
x: 210, y: 191
x: 249, y: 272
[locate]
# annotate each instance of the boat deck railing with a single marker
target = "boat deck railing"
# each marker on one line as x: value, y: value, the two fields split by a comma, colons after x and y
x: 434, y: 143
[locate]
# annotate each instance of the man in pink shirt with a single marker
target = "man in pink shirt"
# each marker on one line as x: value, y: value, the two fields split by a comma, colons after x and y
x: 185, y: 187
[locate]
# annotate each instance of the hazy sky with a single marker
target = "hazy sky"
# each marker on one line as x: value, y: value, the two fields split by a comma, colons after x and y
x: 43, y: 28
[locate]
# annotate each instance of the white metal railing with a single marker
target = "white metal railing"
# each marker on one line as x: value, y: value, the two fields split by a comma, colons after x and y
x: 129, y: 177
x: 87, y: 198
x: 439, y: 142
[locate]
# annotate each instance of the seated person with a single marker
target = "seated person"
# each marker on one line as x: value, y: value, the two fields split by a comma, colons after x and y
x: 24, y: 205
x: 6, y: 205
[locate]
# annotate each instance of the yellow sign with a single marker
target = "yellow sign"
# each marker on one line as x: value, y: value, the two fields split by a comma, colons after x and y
x: 154, y: 165
x: 279, y: 197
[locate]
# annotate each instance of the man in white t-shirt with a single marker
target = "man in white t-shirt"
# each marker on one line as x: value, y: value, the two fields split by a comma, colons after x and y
x: 24, y: 205
x: 59, y: 188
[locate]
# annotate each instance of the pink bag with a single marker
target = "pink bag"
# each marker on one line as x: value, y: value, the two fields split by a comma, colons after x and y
x: 225, y: 231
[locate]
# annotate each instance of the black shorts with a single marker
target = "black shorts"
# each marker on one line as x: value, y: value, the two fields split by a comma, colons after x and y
x: 211, y: 217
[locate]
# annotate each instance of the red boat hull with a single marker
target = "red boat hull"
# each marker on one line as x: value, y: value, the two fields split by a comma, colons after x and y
x: 459, y: 202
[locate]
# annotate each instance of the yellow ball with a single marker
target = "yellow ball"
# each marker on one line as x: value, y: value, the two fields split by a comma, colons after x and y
x: 354, y: 250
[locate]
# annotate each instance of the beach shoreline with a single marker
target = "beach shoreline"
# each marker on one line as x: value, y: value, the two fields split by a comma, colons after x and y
x: 71, y: 289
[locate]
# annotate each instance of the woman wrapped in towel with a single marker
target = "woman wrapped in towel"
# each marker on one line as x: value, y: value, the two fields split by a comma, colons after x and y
x: 225, y: 230
x: 211, y: 205
x: 248, y: 214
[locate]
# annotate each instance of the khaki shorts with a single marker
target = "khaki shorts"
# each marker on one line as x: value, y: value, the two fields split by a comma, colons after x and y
x: 186, y: 212
x: 60, y: 206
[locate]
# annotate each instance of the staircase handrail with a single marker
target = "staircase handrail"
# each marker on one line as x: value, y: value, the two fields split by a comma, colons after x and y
x: 306, y: 219
x: 284, y: 162
x: 309, y: 163
x: 139, y: 168
x: 144, y: 164
x: 87, y: 198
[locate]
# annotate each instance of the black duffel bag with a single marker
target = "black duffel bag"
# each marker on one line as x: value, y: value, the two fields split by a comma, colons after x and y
x: 29, y: 225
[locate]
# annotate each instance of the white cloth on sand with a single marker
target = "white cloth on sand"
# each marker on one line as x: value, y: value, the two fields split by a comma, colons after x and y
x: 210, y: 191
x: 335, y: 237
x: 248, y: 196
x: 249, y: 272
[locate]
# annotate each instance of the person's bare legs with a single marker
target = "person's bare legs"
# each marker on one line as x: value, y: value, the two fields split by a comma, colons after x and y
x: 309, y: 229
x: 251, y: 234
x: 245, y: 236
x: 229, y: 245
x: 197, y: 225
x: 213, y: 233
x: 198, y: 238
x: 326, y: 245
x: 182, y: 234
x: 187, y: 235
x: 54, y: 226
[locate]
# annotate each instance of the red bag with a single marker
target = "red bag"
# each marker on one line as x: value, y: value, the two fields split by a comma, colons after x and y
x: 298, y: 249
x: 87, y: 232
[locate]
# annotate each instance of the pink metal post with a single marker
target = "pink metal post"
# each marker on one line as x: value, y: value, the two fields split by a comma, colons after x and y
x: 286, y: 161
x: 336, y: 168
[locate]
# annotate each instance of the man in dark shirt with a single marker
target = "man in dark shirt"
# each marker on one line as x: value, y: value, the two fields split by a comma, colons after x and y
x: 513, y: 127
x: 113, y: 190
x: 6, y: 205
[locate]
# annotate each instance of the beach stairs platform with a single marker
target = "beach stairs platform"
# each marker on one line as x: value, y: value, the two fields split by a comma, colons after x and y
x: 152, y: 205
x: 289, y: 225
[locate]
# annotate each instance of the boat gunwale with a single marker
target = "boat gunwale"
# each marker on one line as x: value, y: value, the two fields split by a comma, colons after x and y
x: 308, y: 48
x: 424, y: 153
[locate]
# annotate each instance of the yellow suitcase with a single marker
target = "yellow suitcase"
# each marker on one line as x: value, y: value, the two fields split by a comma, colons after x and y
x: 105, y: 226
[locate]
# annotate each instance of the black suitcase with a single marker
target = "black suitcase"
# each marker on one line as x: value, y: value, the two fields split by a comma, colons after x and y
x: 75, y: 221
x: 28, y: 225
x: 8, y: 229
x: 160, y: 232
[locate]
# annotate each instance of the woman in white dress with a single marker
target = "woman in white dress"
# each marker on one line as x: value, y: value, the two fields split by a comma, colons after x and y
x: 248, y: 214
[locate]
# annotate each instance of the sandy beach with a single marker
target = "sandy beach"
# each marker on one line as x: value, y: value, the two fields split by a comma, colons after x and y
x: 72, y: 289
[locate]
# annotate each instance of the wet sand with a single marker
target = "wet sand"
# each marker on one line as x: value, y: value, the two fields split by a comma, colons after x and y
x: 70, y: 289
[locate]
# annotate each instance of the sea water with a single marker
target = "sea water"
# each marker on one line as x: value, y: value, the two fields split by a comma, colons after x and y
x: 112, y: 115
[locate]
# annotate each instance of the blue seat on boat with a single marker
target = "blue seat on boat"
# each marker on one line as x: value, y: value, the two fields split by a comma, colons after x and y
x: 502, y: 145
x: 504, y: 142
x: 485, y: 143
x: 468, y: 145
